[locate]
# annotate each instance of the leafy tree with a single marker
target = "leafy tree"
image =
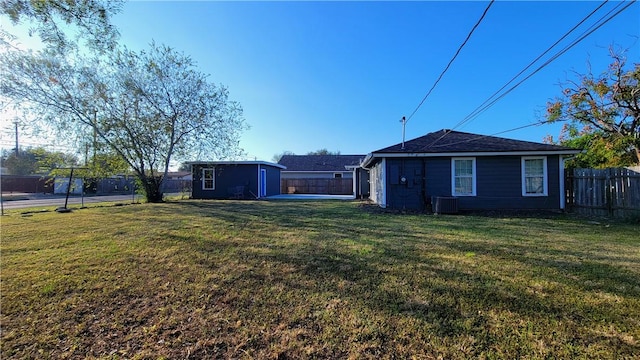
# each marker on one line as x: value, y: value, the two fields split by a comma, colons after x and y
x: 276, y: 158
x: 47, y: 161
x: 609, y: 104
x: 22, y: 163
x: 323, y: 152
x: 60, y: 24
x: 599, y: 150
x: 147, y: 107
x: 105, y: 163
x: 36, y: 161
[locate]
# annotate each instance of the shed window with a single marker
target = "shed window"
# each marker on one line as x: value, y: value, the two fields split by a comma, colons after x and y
x: 208, y: 179
x: 463, y: 176
x: 337, y: 175
x: 534, y: 176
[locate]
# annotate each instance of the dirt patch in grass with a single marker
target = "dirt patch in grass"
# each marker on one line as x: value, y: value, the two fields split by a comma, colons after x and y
x: 243, y: 279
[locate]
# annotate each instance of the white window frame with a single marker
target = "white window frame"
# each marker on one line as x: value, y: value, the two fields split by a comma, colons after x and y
x: 545, y: 177
x: 213, y: 178
x: 474, y: 176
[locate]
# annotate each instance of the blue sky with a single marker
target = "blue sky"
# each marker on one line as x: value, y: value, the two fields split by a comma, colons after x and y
x: 340, y: 75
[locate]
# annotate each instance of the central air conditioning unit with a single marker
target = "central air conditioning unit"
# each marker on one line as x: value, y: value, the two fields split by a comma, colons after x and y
x: 445, y: 205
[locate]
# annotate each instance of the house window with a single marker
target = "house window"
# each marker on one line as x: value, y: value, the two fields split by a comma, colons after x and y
x: 208, y: 179
x: 337, y: 175
x: 534, y: 176
x: 463, y: 176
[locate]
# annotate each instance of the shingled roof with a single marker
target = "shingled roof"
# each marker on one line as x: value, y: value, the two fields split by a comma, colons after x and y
x: 320, y: 162
x: 448, y: 141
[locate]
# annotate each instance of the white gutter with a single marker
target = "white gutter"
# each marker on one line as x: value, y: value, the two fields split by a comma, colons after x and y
x: 236, y: 163
x: 317, y: 171
x: 355, y: 181
x: 367, y: 160
x: 383, y: 203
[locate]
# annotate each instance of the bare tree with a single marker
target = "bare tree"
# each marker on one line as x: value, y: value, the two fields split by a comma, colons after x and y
x: 323, y: 152
x: 276, y: 157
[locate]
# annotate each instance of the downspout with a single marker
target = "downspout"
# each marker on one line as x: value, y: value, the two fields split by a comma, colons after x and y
x: 355, y: 179
x: 360, y: 173
x: 383, y: 175
x: 193, y: 177
x: 563, y: 195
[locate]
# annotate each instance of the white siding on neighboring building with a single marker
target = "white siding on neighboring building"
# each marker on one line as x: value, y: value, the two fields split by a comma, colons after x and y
x: 60, y: 186
x: 376, y: 181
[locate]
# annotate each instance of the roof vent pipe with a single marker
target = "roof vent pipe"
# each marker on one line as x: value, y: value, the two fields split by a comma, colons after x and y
x: 404, y: 123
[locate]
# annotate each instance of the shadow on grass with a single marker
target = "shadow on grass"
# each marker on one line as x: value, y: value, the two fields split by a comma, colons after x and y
x: 366, y: 259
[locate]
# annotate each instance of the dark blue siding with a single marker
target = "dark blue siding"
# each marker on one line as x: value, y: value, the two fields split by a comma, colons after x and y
x: 273, y: 180
x: 499, y: 184
x: 226, y: 178
x: 438, y: 177
x: 406, y: 194
x: 362, y: 183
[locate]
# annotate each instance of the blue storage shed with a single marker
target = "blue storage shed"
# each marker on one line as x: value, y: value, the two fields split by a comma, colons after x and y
x: 235, y: 179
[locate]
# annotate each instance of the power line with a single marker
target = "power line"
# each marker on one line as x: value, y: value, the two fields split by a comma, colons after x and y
x: 537, y: 123
x: 11, y: 144
x: 557, y: 55
x: 599, y: 23
x: 466, y: 119
x: 586, y: 33
x: 451, y: 61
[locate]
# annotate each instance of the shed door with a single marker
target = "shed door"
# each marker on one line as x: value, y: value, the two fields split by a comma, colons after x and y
x: 263, y: 182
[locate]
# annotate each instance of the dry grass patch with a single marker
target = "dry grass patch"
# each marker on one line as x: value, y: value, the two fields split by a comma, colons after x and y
x: 315, y: 280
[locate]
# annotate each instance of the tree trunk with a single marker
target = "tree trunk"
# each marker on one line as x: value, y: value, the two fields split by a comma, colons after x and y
x: 152, y: 189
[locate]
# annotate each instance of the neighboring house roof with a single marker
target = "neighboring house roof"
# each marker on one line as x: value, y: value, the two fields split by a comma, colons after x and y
x: 320, y: 162
x: 448, y: 142
x: 178, y: 174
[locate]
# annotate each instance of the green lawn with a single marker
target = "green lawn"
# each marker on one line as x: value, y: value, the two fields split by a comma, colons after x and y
x: 254, y: 280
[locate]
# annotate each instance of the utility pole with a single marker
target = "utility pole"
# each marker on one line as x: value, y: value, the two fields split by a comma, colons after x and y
x: 95, y: 137
x: 17, y: 151
x: 86, y: 154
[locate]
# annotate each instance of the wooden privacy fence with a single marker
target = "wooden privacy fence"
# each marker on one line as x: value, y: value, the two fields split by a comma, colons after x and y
x: 338, y: 186
x: 612, y: 192
x: 26, y: 184
x: 116, y: 185
x: 177, y: 185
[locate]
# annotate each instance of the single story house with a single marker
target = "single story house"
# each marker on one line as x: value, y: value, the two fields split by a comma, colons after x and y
x: 447, y: 171
x: 319, y: 166
x: 177, y: 181
x: 235, y: 179
x: 324, y: 174
x: 179, y: 175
